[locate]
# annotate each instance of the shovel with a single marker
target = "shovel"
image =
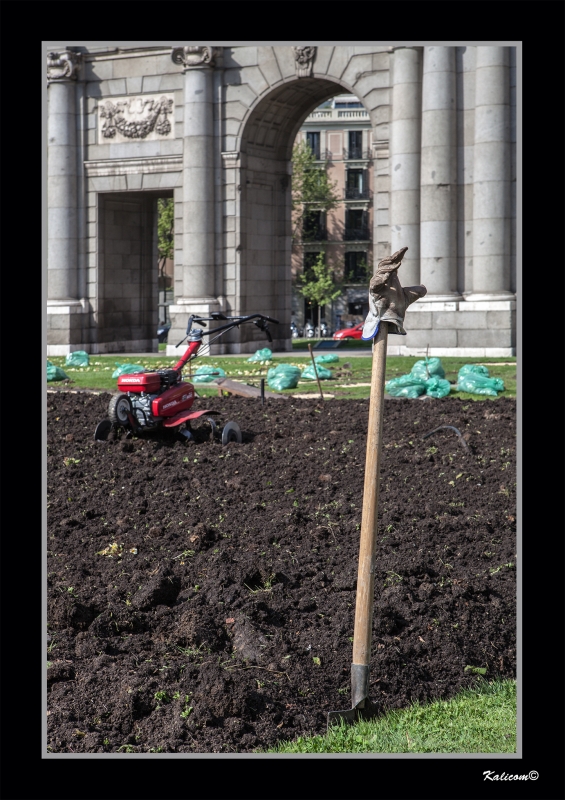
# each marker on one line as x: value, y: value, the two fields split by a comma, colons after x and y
x: 362, y: 707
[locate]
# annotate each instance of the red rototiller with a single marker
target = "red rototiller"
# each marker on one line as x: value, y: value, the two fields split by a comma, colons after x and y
x: 162, y: 399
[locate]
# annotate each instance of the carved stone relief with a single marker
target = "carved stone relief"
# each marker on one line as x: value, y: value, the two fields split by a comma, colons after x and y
x: 63, y: 65
x: 195, y: 56
x: 144, y: 117
x: 304, y: 58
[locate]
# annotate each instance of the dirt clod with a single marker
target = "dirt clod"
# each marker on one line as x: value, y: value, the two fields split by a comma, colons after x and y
x: 223, y: 620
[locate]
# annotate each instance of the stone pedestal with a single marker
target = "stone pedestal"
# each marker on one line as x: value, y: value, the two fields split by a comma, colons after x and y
x: 64, y: 326
x: 458, y: 328
x: 180, y: 313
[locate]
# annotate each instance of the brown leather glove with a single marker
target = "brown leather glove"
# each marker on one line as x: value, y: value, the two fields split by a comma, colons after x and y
x: 388, y: 301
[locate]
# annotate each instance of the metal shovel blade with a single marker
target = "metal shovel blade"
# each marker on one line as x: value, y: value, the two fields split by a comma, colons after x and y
x: 364, y: 710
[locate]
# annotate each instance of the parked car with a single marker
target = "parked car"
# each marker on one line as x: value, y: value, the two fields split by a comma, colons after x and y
x: 163, y: 332
x: 356, y: 332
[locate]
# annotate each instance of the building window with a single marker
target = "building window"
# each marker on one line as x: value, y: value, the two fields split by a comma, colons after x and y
x: 313, y: 140
x: 356, y: 187
x: 356, y: 225
x: 355, y: 144
x: 356, y: 270
x: 357, y: 309
x: 310, y: 308
x: 314, y: 226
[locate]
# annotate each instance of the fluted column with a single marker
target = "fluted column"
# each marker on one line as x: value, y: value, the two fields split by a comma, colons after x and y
x: 62, y: 196
x: 405, y: 144
x: 438, y: 215
x: 491, y: 185
x: 198, y: 176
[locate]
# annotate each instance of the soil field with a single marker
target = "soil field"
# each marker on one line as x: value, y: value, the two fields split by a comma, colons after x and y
x: 201, y: 598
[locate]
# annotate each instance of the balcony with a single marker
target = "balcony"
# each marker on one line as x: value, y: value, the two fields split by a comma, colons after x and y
x: 323, y: 155
x: 356, y: 235
x: 355, y: 193
x: 319, y: 233
x: 356, y: 154
x: 338, y: 115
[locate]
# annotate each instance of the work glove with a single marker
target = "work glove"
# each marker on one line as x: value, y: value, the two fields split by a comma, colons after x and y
x: 388, y: 301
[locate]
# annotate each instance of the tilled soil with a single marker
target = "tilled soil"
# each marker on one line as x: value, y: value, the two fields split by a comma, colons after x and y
x: 201, y: 598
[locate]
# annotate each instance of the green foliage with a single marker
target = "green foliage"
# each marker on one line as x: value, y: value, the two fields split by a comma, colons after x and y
x: 318, y: 285
x: 165, y: 231
x: 310, y: 183
x: 162, y: 697
x: 166, y: 227
x: 311, y: 188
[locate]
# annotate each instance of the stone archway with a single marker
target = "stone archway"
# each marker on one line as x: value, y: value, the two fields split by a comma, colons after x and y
x: 268, y: 134
x: 215, y: 128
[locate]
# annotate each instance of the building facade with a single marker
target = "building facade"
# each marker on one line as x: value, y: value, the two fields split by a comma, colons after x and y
x: 213, y: 128
x: 340, y: 136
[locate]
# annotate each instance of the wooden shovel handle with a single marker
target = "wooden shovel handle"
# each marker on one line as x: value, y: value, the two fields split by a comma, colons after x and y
x: 366, y: 573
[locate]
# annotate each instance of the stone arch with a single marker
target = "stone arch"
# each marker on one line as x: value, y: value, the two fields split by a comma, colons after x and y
x: 264, y: 143
x: 445, y: 184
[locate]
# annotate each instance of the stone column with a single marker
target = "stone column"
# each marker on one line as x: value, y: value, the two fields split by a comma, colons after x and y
x: 199, y: 290
x: 65, y: 311
x: 405, y: 143
x: 438, y: 215
x: 62, y: 199
x: 491, y: 174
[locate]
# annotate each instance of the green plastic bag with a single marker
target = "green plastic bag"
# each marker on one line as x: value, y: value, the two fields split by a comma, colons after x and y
x: 432, y: 366
x: 207, y: 374
x: 324, y: 374
x: 329, y: 358
x: 283, y: 381
x: 283, y: 376
x: 437, y: 387
x: 127, y: 369
x: 473, y: 369
x: 476, y: 383
x: 405, y: 386
x: 77, y: 359
x: 262, y: 355
x: 55, y: 373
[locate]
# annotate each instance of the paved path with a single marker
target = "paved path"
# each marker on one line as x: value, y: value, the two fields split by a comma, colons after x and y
x: 288, y: 354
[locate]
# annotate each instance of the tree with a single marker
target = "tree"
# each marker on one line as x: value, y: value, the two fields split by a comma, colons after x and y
x: 165, y: 234
x: 311, y: 188
x: 317, y: 284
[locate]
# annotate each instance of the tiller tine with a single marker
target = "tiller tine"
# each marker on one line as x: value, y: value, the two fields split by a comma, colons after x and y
x: 102, y: 430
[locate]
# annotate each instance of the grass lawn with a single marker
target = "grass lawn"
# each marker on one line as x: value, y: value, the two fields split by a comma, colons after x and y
x: 352, y: 375
x: 346, y: 344
x: 482, y: 720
